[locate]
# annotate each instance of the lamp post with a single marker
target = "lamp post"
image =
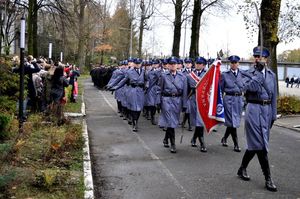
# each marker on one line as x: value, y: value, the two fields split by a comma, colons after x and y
x: 50, y: 52
x: 61, y: 56
x: 21, y: 96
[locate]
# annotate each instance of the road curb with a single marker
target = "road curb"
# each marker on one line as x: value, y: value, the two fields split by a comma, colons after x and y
x: 291, y: 128
x: 87, y: 168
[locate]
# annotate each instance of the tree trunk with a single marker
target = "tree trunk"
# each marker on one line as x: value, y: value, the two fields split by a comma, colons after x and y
x: 177, y: 28
x: 81, y: 33
x: 35, y: 29
x: 269, y: 18
x: 197, y: 12
x: 141, y: 36
x: 30, y: 26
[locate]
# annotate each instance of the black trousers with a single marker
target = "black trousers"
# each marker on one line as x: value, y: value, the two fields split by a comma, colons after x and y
x: 135, y: 115
x: 233, y: 132
x: 262, y: 158
x: 170, y: 133
x: 152, y: 110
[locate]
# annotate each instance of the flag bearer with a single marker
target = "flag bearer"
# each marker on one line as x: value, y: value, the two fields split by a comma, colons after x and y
x: 196, y: 120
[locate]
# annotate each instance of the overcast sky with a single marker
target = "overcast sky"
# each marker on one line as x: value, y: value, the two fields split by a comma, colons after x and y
x: 226, y: 32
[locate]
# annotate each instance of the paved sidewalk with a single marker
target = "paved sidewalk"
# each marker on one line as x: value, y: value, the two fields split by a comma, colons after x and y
x: 283, y: 90
x: 291, y: 122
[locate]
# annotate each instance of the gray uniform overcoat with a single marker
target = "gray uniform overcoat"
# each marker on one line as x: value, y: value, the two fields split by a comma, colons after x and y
x: 258, y: 117
x: 171, y: 106
x: 232, y: 88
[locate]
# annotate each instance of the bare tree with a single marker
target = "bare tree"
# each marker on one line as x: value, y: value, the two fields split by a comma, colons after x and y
x: 200, y: 7
x: 180, y: 8
x: 278, y: 25
x: 9, y: 29
x: 147, y: 10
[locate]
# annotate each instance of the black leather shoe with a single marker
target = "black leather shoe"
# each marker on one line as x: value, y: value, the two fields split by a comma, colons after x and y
x: 173, y: 149
x: 224, y: 142
x: 237, y: 149
x: 153, y: 121
x: 242, y: 173
x: 203, y: 149
x: 190, y: 128
x: 270, y: 185
x: 193, y: 143
x: 166, y: 144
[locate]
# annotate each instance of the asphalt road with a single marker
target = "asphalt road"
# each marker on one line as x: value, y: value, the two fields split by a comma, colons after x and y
x: 136, y: 165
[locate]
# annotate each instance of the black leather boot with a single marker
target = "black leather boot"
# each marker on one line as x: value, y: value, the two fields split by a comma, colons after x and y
x: 153, y: 120
x: 224, y: 142
x: 201, y: 140
x: 165, y: 141
x: 264, y: 163
x: 193, y: 140
x: 224, y: 139
x: 189, y: 122
x: 172, y: 140
x: 134, y: 125
x: 242, y: 173
x: 129, y: 118
x: 270, y: 184
x: 235, y: 140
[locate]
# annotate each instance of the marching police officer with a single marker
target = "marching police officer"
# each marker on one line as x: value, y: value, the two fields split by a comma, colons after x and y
x: 116, y: 77
x: 135, y: 79
x: 152, y: 90
x: 195, y: 118
x: 232, y: 89
x: 187, y: 70
x: 173, y: 100
x: 261, y: 110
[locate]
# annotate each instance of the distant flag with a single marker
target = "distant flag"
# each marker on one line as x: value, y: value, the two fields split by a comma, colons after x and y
x: 209, y: 98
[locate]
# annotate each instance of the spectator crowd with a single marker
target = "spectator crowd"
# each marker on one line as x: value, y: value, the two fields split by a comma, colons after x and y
x: 46, y: 85
x: 294, y: 80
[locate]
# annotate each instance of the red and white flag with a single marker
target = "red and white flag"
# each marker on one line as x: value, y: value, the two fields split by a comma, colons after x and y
x: 209, y: 98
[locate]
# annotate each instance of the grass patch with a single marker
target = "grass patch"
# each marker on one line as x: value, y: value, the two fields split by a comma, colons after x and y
x: 44, y: 162
x: 288, y: 105
x: 75, y: 107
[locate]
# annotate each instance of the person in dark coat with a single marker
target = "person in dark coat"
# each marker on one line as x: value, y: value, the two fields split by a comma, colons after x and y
x: 74, y: 74
x: 261, y: 110
x: 30, y: 67
x: 232, y: 88
x: 287, y: 81
x: 196, y: 120
x: 59, y: 82
x: 173, y: 86
x: 292, y: 81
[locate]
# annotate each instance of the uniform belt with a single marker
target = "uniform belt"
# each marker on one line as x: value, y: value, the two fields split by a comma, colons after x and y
x: 137, y: 85
x: 171, y: 94
x: 234, y: 94
x: 261, y: 102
